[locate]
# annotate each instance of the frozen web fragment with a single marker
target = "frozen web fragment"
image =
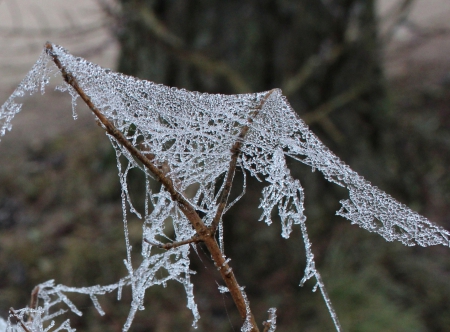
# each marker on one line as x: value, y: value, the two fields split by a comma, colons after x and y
x: 223, y: 289
x: 191, y: 133
x: 36, y: 80
x: 188, y: 135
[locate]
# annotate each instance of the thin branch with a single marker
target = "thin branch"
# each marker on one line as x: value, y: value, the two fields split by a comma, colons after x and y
x: 338, y: 101
x: 33, y: 301
x: 307, y: 70
x: 34, y: 297
x: 177, y: 46
x: 235, y: 151
x: 330, y: 128
x: 167, y: 246
x: 320, y: 114
x: 186, y: 208
x: 12, y: 312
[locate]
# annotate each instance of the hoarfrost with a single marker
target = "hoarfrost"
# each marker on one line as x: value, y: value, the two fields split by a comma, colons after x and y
x: 3, y: 325
x: 188, y: 135
x: 223, y: 289
x: 272, y: 321
x: 247, y: 326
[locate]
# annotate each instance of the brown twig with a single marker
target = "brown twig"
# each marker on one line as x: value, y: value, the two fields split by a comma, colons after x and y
x: 33, y: 301
x: 34, y: 297
x: 235, y: 150
x: 204, y: 233
x: 167, y: 246
x: 12, y: 312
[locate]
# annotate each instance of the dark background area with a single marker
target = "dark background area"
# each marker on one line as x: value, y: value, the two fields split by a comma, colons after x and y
x: 60, y: 212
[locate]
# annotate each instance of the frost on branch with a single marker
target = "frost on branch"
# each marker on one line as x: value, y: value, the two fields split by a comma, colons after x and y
x: 188, y: 135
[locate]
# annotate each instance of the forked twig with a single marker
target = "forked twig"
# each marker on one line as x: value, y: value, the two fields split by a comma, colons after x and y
x: 204, y: 233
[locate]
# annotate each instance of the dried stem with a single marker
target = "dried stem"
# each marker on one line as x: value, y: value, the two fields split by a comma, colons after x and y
x: 204, y: 233
x: 34, y: 297
x: 235, y: 151
x: 33, y: 302
x: 12, y: 312
x: 172, y: 245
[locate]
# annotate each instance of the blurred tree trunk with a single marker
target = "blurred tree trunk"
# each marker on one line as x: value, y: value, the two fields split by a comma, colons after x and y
x: 325, y: 55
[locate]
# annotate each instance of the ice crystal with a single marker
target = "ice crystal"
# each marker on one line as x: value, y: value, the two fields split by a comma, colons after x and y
x: 188, y: 135
x: 272, y: 321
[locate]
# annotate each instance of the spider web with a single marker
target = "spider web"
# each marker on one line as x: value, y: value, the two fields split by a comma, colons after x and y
x: 189, y: 136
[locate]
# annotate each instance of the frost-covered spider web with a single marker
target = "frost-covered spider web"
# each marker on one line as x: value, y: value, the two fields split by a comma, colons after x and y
x: 188, y: 135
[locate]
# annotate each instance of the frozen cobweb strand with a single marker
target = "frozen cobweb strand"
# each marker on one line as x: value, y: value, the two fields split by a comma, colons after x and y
x: 36, y: 80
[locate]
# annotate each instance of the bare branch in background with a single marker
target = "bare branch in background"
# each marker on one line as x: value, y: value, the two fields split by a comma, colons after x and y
x: 398, y: 16
x: 293, y: 84
x: 336, y: 102
x: 177, y: 47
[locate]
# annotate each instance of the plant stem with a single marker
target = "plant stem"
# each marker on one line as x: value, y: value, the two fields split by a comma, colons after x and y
x: 204, y: 232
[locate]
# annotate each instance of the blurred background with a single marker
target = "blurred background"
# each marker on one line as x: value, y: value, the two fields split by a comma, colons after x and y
x: 371, y: 78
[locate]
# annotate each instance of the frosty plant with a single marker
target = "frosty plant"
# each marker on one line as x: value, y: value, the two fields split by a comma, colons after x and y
x: 193, y: 142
